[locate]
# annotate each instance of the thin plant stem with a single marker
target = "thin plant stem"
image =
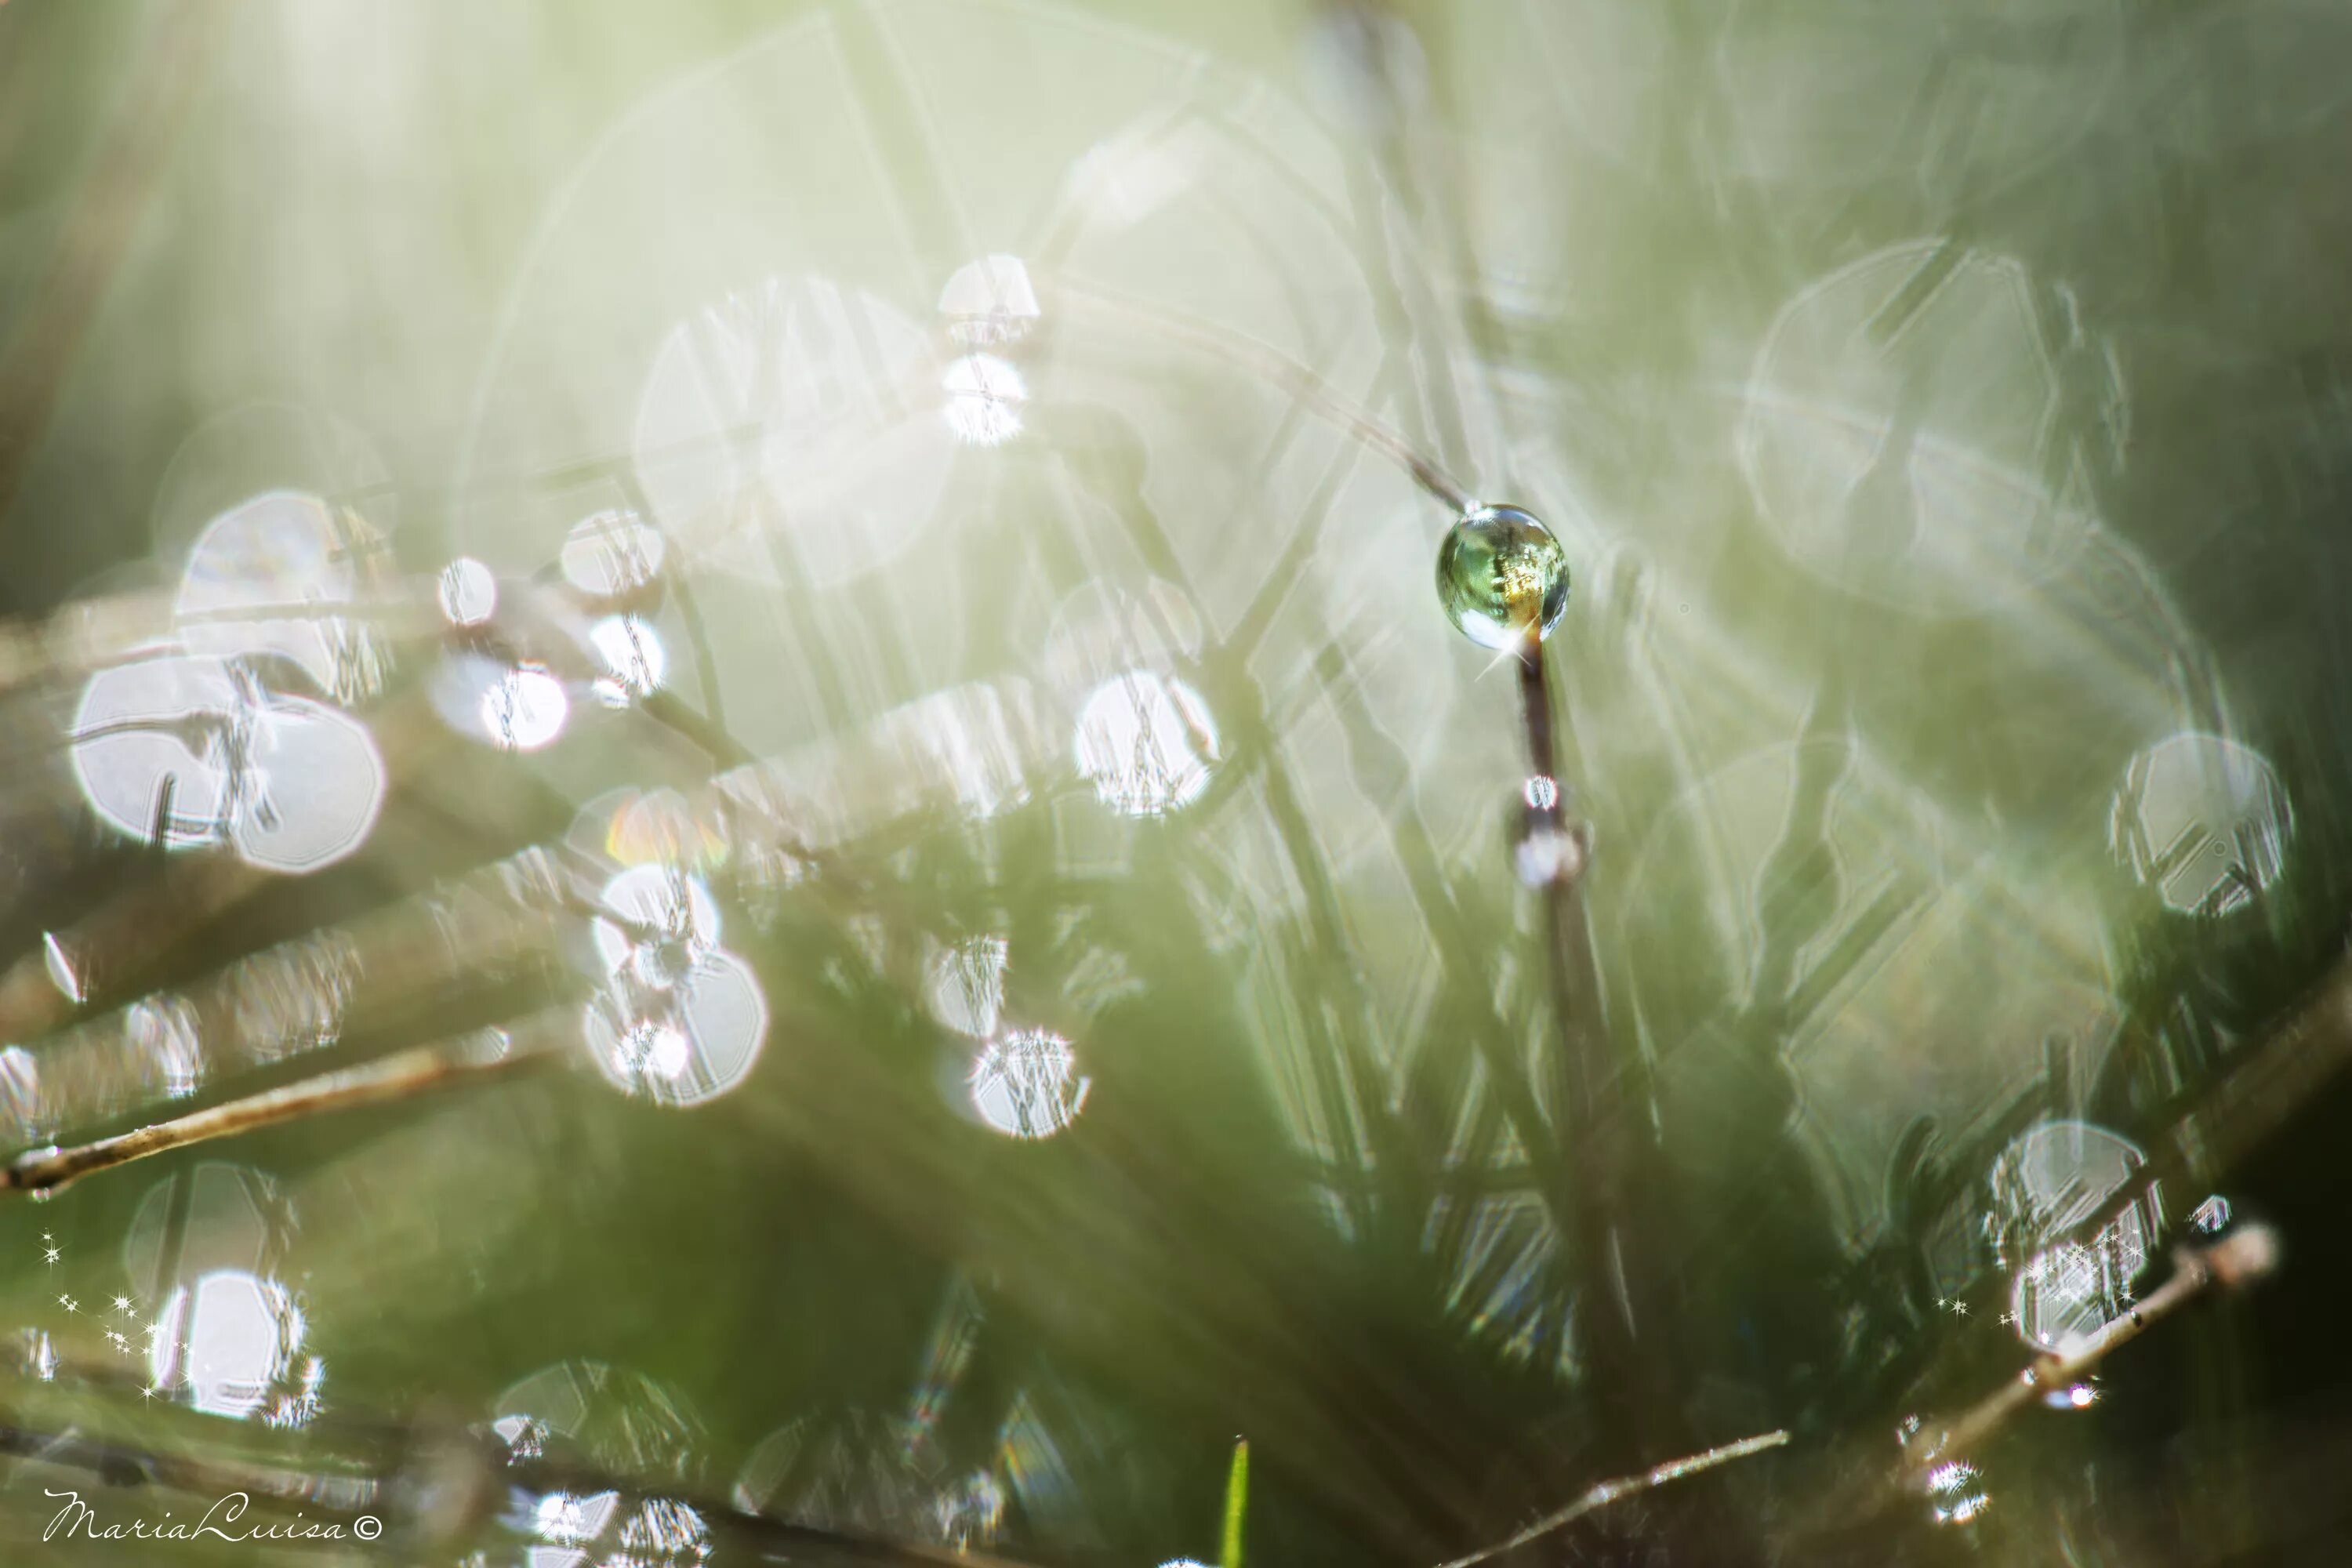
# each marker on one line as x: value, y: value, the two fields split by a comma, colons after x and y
x: 1229, y: 1551
x: 2261, y: 1088
x: 1604, y: 1114
x: 2232, y: 1262
x: 1607, y: 1492
x: 404, y: 1075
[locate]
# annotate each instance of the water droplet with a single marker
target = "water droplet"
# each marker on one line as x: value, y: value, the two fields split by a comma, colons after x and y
x: 272, y: 552
x: 469, y: 595
x: 1545, y: 849
x: 1952, y: 1476
x: 964, y: 985
x: 165, y: 721
x: 1147, y: 743
x: 525, y: 709
x: 1545, y: 855
x: 311, y: 788
x: 988, y: 301
x: 1501, y: 576
x: 2202, y: 821
x: 685, y: 1041
x: 678, y: 921
x: 228, y: 1339
x: 1027, y: 1085
x: 634, y: 658
x: 2081, y: 1396
x: 984, y: 398
x: 2048, y: 1179
x: 613, y: 554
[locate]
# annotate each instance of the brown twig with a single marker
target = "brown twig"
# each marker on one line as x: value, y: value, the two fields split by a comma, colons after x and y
x: 1607, y: 1492
x: 2233, y: 1262
x: 2262, y: 1088
x: 400, y: 1075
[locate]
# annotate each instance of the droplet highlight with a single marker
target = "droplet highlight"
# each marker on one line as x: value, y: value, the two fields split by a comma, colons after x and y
x: 1502, y: 577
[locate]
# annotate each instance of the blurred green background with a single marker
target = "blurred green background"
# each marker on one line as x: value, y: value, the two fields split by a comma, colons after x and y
x: 1945, y: 412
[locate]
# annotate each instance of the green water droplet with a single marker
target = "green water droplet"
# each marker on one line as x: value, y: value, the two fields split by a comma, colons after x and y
x: 1500, y: 573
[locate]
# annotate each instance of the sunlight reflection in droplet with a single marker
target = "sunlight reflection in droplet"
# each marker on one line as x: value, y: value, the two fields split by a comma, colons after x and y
x: 676, y: 905
x: 1146, y: 742
x: 311, y: 789
x: 662, y: 1532
x: 469, y: 594
x: 286, y: 552
x: 1543, y: 855
x: 984, y: 399
x: 990, y: 301
x: 2080, y: 1396
x: 2048, y: 1179
x: 634, y: 658
x: 613, y: 554
x: 964, y: 985
x: 140, y: 725
x: 2203, y: 821
x: 525, y: 709
x: 1026, y: 1084
x: 662, y: 1048
x: 192, y: 751
x: 681, y: 1020
x: 228, y: 1338
x: 1502, y: 577
x: 216, y: 1217
x: 571, y: 1521
x: 691, y: 1042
